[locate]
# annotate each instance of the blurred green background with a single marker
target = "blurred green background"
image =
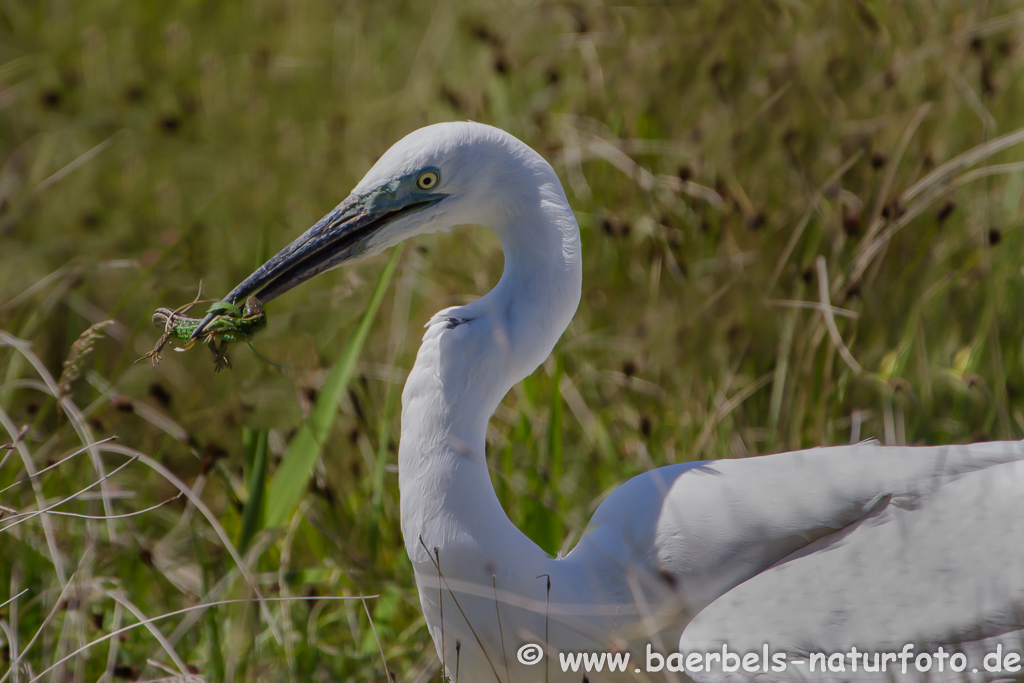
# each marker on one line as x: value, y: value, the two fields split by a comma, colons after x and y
x: 733, y: 165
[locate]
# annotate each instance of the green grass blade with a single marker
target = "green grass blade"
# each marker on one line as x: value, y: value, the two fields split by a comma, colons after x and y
x: 555, y: 423
x: 289, y: 481
x: 252, y: 513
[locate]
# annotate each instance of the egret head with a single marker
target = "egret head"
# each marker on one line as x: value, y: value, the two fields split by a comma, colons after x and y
x: 433, y: 179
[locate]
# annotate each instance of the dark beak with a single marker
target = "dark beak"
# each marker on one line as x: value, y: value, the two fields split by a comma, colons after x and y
x: 336, y: 238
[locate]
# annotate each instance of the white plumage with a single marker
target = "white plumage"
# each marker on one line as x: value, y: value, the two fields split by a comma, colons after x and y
x: 806, y: 552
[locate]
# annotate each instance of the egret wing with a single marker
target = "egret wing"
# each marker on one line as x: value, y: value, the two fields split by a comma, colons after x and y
x: 936, y: 562
x: 708, y: 526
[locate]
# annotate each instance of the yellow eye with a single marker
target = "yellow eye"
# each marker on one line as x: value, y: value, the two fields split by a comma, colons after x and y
x: 427, y: 180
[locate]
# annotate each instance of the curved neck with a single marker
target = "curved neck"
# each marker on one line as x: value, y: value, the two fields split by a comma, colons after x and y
x: 471, y: 356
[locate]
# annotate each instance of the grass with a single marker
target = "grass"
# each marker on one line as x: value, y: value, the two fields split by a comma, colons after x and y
x: 735, y: 168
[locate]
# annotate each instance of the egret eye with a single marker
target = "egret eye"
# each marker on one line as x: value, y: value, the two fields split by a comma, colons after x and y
x: 427, y: 180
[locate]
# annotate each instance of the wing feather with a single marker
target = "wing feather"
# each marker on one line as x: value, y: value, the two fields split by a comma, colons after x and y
x: 938, y: 561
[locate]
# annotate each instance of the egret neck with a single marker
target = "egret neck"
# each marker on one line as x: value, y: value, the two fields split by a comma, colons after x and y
x: 470, y: 357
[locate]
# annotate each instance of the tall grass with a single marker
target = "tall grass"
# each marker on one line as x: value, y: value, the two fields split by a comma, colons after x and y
x: 801, y: 225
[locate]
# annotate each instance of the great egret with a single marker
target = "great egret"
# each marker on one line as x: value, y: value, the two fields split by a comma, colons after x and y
x: 877, y: 548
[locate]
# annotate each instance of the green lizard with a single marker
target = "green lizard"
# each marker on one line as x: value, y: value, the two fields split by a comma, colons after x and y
x: 232, y: 325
